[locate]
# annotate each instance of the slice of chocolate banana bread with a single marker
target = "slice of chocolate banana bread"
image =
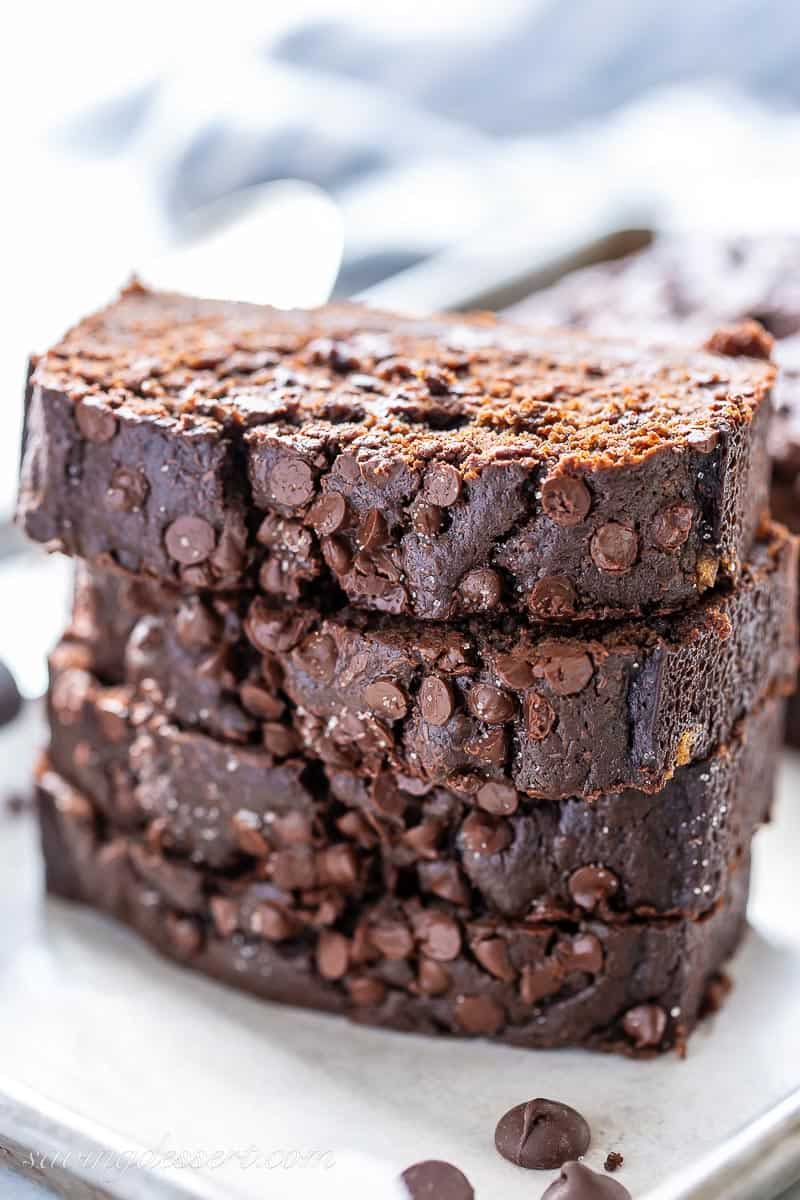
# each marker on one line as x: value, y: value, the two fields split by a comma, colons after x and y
x: 434, y: 468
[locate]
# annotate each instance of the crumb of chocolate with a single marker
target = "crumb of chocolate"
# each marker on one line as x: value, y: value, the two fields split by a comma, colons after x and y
x: 614, y: 1161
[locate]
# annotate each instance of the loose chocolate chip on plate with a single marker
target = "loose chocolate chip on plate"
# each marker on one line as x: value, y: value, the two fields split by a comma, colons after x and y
x: 442, y: 485
x: 645, y: 1025
x: 592, y: 885
x: 541, y: 1134
x: 190, y: 540
x: 614, y: 1161
x: 614, y: 548
x: 671, y: 526
x: 578, y: 1182
x: 436, y: 700
x: 292, y: 482
x: 565, y: 499
x: 434, y: 1180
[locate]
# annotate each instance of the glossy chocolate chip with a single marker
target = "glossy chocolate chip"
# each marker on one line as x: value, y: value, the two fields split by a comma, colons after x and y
x: 127, y: 490
x: 672, y: 525
x: 539, y: 716
x: 577, y: 1182
x: 542, y: 1134
x: 566, y: 499
x: 614, y: 547
x: 436, y: 700
x: 442, y: 485
x: 498, y: 798
x: 490, y: 704
x: 328, y: 514
x: 645, y: 1025
x: 95, y: 420
x: 565, y: 666
x: 435, y: 1180
x: 333, y: 954
x: 291, y: 482
x: 480, y: 1015
x: 592, y: 885
x: 190, y: 540
x: 552, y: 598
x: 386, y: 699
x: 481, y: 590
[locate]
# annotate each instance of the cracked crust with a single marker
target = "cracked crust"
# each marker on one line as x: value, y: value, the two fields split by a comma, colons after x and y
x: 433, y: 468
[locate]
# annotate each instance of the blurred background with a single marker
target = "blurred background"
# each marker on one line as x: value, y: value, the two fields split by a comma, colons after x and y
x: 493, y: 137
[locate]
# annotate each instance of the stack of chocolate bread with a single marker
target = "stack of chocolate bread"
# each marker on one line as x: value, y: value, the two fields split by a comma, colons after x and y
x: 430, y: 672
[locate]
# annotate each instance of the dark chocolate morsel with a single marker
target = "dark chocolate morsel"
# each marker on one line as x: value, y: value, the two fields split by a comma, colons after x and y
x: 542, y: 1134
x: 566, y: 499
x: 578, y: 1182
x: 435, y: 1180
x: 190, y: 540
x: 10, y: 699
x: 645, y: 1025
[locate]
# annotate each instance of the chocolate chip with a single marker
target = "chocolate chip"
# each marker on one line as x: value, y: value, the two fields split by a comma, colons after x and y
x: 540, y: 980
x: 498, y: 798
x: 338, y: 865
x: 590, y: 886
x: 372, y: 530
x: 190, y: 540
x: 333, y: 954
x: 291, y: 482
x: 492, y: 954
x: 481, y: 590
x: 246, y: 826
x: 490, y: 704
x: 184, y: 934
x: 479, y: 1015
x: 490, y: 746
x: 386, y: 699
x: 10, y: 698
x: 366, y: 992
x: 442, y: 485
x: 645, y: 1025
x: 440, y: 936
x: 614, y: 1161
x: 225, y: 915
x: 292, y: 828
x: 432, y: 978
x: 578, y: 1182
x: 95, y: 420
x: 423, y: 838
x: 293, y: 867
x: 436, y: 700
x: 317, y: 656
x: 566, y: 499
x: 435, y: 1180
x: 443, y: 879
x: 541, y: 1135
x: 270, y: 922
x: 583, y: 952
x: 553, y: 597
x: 127, y: 490
x: 391, y: 938
x: 337, y: 555
x: 539, y: 716
x: 614, y: 547
x: 279, y: 740
x: 565, y: 666
x: 514, y: 671
x: 261, y: 703
x: 427, y: 520
x: 328, y: 514
x: 196, y: 626
x: 483, y: 834
x: 671, y: 526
